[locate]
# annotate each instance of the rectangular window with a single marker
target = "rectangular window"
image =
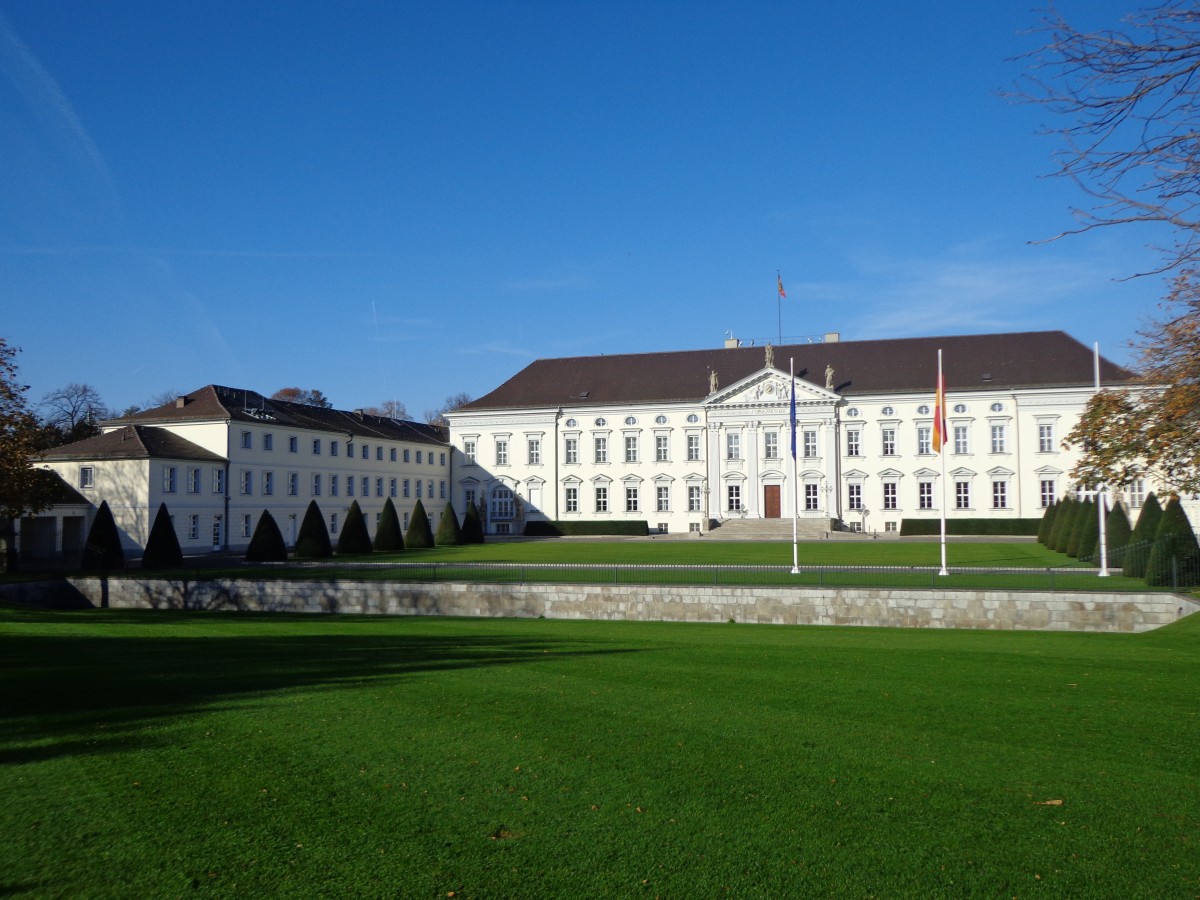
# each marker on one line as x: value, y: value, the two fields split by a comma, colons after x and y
x: 293, y: 484
x: 379, y: 453
x: 246, y: 525
x: 420, y: 488
x: 1047, y: 492
x: 999, y: 439
x: 349, y: 485
x: 218, y: 481
x: 468, y: 452
x: 350, y: 449
x: 662, y: 501
x: 733, y: 446
x: 601, y: 449
x: 168, y: 483
x: 661, y: 448
x: 316, y: 485
x: 889, y: 441
x: 378, y: 487
x: 601, y: 499
x: 268, y: 442
x: 429, y: 485
x: 366, y: 451
x: 268, y: 483
x: 407, y: 455
x: 961, y: 444
x: 854, y: 496
x: 925, y: 495
x: 392, y: 487
x: 733, y: 493
x: 999, y: 495
x: 693, y: 447
x: 962, y: 495
x: 333, y: 523
x: 631, y: 448
x: 501, y: 453
x: 889, y: 495
x: 441, y: 459
x: 392, y: 454
x: 1045, y: 438
x: 406, y: 488
x: 535, y: 452
x: 366, y: 487
x: 333, y: 448
x: 193, y: 528
x: 193, y: 480
x: 247, y: 440
x: 572, y: 497
x: 771, y: 445
x: 421, y: 454
x: 1137, y: 493
x: 694, y: 498
x: 293, y: 444
x: 571, y: 451
x: 469, y: 496
x: 810, y: 444
x: 334, y: 485
x: 247, y: 481
x: 631, y: 499
x: 441, y: 490
x: 854, y: 443
x: 812, y: 498
x: 924, y: 439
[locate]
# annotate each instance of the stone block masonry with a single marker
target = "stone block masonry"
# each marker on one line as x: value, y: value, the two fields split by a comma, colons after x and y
x: 880, y: 607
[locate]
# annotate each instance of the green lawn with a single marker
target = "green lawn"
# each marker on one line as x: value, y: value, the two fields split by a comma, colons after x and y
x: 162, y: 754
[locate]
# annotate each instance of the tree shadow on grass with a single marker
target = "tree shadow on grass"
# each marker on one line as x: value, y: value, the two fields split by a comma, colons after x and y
x: 98, y: 692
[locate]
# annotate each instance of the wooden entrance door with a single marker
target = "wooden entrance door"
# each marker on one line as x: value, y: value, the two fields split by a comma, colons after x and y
x: 771, y: 501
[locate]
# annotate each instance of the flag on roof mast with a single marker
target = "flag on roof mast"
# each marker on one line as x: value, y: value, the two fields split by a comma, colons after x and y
x: 939, y: 410
x: 779, y: 282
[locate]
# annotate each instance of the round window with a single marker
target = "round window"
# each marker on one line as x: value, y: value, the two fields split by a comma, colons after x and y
x: 630, y: 420
x: 852, y: 413
x: 660, y: 420
x: 888, y: 411
x: 571, y: 423
x: 600, y: 423
x: 997, y: 407
x: 960, y: 407
x: 693, y: 418
x: 922, y: 410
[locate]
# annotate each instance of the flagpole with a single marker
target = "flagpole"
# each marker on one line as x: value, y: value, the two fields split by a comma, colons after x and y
x: 795, y: 479
x: 940, y: 425
x: 1100, y: 497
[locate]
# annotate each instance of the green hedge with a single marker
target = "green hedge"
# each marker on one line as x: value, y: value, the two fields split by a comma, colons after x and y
x: 638, y: 528
x: 971, y: 526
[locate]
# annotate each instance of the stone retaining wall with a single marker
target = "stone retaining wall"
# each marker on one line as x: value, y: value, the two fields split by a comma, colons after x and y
x: 888, y: 607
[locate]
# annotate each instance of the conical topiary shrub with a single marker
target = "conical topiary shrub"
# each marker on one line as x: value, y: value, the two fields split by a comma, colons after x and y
x: 1142, y: 539
x: 472, y: 527
x: 102, y: 550
x: 388, y: 538
x: 354, y: 539
x: 1089, y: 534
x: 162, y: 547
x: 1047, y: 523
x: 1085, y: 515
x: 267, y: 543
x: 449, y: 534
x: 419, y: 534
x: 1062, y: 524
x: 1175, y: 558
x: 313, y: 540
x: 1118, y: 532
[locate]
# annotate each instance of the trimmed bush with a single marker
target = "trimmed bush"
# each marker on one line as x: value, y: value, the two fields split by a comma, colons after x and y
x: 388, y: 537
x: 970, y: 526
x: 472, y: 527
x: 1089, y: 534
x: 354, y: 540
x: 1047, y: 523
x: 102, y: 550
x: 419, y: 535
x: 313, y: 540
x: 1082, y: 516
x: 1118, y: 532
x: 1142, y: 540
x: 267, y: 543
x: 638, y: 528
x: 1064, y: 519
x: 1175, y: 557
x: 449, y: 534
x: 162, y: 548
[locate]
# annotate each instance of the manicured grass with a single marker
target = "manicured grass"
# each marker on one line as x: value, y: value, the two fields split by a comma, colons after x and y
x: 161, y: 754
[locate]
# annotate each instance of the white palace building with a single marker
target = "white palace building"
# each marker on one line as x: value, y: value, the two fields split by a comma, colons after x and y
x: 687, y: 439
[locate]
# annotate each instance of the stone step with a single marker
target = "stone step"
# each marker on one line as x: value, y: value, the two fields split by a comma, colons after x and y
x: 771, y: 529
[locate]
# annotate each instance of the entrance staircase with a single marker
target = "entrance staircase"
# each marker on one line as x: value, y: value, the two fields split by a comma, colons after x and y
x: 807, y: 529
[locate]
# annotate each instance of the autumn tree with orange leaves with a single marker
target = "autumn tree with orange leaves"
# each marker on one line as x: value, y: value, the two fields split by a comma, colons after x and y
x: 1129, y: 100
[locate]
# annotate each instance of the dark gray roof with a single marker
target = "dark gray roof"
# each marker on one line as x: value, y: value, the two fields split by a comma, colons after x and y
x: 133, y: 442
x: 215, y: 402
x: 904, y: 365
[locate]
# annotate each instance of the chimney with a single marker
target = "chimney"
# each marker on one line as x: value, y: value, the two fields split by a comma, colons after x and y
x: 732, y: 343
x: 180, y: 402
x: 832, y: 337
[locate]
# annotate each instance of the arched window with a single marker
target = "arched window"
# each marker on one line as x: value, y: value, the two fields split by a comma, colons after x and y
x: 502, y: 504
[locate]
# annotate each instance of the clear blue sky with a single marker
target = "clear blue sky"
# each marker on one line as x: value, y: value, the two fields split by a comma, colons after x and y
x: 407, y: 200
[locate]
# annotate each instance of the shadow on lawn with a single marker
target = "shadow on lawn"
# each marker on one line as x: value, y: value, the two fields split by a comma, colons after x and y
x: 90, y: 694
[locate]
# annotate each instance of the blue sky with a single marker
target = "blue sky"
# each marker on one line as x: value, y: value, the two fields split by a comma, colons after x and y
x: 409, y: 200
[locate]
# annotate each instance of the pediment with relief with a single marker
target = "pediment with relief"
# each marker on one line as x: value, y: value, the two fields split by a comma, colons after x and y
x: 770, y: 387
